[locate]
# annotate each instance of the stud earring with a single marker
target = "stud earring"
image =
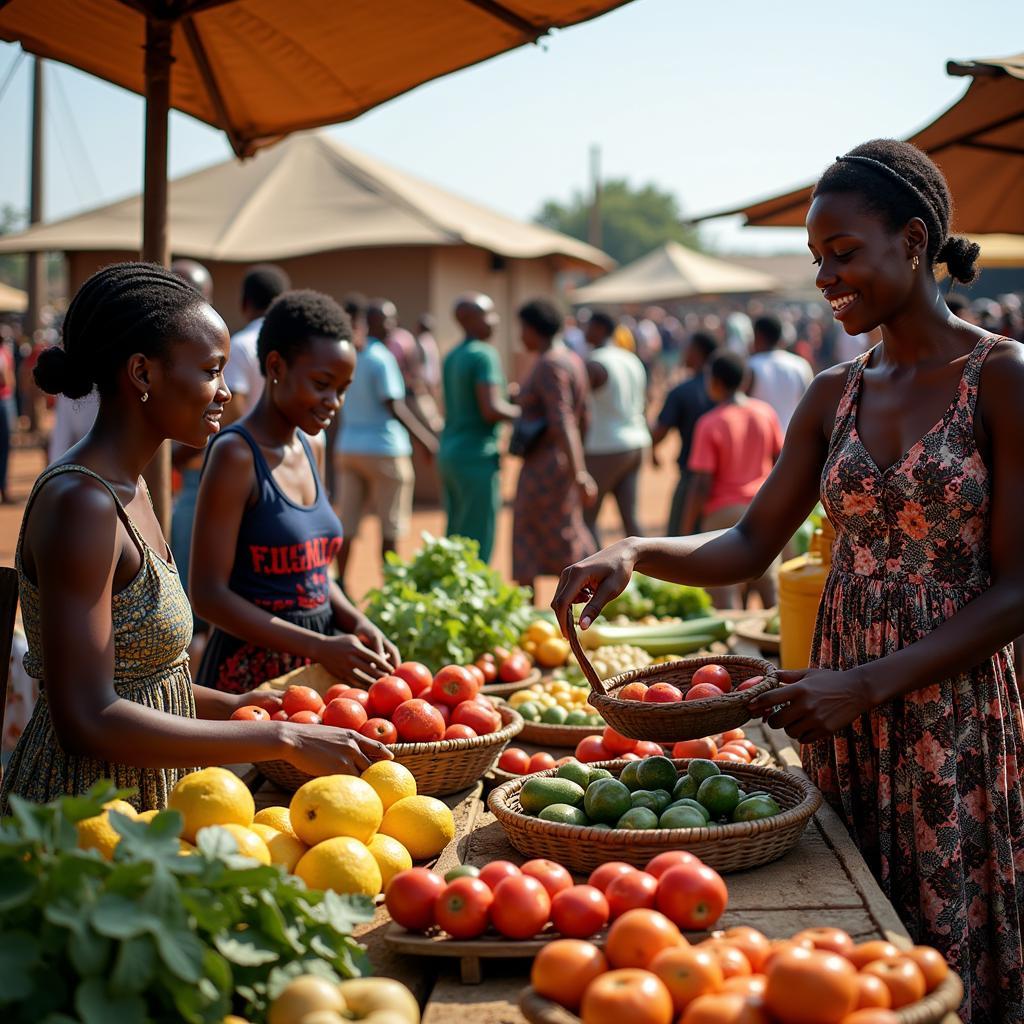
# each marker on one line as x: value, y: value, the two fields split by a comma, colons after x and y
x: 915, y: 262
x: 145, y: 396
x: 273, y: 380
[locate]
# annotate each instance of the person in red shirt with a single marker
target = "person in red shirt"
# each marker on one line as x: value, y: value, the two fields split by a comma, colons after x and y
x: 734, y: 448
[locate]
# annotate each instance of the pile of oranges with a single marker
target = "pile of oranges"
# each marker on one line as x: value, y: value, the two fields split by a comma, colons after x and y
x: 648, y: 973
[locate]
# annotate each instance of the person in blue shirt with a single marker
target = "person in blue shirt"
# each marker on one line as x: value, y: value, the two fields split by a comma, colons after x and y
x: 373, y: 452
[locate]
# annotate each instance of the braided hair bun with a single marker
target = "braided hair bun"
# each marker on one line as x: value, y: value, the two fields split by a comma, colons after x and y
x: 960, y: 256
x: 55, y: 373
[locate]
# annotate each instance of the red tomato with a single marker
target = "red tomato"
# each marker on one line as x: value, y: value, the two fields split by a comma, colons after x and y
x: 497, y: 871
x: 515, y: 761
x: 692, y: 895
x: 704, y: 691
x: 379, y: 729
x: 714, y: 674
x: 250, y: 713
x: 730, y: 734
x: 442, y: 709
x: 476, y: 716
x: 418, y: 676
x: 270, y: 702
x: 462, y: 908
x: 304, y: 718
x: 749, y: 684
x: 386, y: 694
x: 410, y: 898
x: 454, y: 684
x: 335, y: 691
x: 630, y: 757
x: 549, y: 873
x: 627, y: 892
x: 521, y: 907
x: 279, y: 716
x: 658, y: 865
x: 663, y: 693
x: 344, y: 713
x: 632, y: 691
x: 579, y: 911
x: 302, y: 698
x: 615, y: 743
x: 541, y: 762
x: 591, y: 748
x: 728, y: 755
x: 515, y: 668
x: 602, y: 876
x: 648, y: 748
x: 417, y: 722
x: 477, y: 673
x: 695, y: 748
x: 459, y: 732
x: 486, y: 665
x: 734, y: 748
x: 360, y: 696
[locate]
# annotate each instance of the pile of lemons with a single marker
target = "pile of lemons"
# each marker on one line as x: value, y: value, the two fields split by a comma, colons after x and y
x: 338, y: 832
x: 545, y: 644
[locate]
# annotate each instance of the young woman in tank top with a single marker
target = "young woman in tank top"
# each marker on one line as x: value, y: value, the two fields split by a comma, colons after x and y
x: 265, y: 534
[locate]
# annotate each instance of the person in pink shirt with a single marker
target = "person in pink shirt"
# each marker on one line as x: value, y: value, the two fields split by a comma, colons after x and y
x: 735, y: 446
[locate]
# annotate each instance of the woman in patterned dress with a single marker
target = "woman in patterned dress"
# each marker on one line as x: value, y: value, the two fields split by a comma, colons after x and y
x: 554, y: 486
x: 107, y: 622
x: 910, y: 717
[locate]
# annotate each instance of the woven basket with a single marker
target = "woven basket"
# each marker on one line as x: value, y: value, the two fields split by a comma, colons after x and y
x: 504, y: 689
x: 733, y: 847
x: 542, y: 735
x: 444, y: 767
x: 933, y: 1009
x: 683, y: 720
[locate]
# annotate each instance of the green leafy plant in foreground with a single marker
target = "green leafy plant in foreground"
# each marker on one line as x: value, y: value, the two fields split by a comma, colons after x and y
x: 446, y: 606
x: 153, y: 936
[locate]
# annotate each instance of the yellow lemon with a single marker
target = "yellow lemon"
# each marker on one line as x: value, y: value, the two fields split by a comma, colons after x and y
x: 249, y: 843
x: 305, y: 995
x: 343, y: 864
x: 122, y: 807
x: 232, y: 1019
x: 422, y: 824
x: 212, y: 796
x: 98, y: 834
x: 277, y: 818
x: 380, y: 999
x: 391, y: 781
x: 284, y: 848
x: 335, y: 805
x: 391, y: 857
x: 146, y: 816
x: 541, y: 630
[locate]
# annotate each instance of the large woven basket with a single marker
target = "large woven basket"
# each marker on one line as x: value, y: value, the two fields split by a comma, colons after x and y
x: 543, y: 735
x: 682, y: 720
x: 444, y: 767
x: 505, y: 689
x: 733, y: 847
x: 933, y: 1009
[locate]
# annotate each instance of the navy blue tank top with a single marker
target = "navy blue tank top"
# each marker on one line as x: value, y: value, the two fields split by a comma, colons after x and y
x: 284, y: 549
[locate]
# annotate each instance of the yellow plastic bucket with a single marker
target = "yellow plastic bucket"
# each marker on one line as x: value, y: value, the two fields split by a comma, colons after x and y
x: 801, y: 581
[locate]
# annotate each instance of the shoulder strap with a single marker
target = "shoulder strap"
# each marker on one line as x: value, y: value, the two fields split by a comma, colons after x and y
x: 972, y: 371
x: 848, y: 403
x: 259, y: 462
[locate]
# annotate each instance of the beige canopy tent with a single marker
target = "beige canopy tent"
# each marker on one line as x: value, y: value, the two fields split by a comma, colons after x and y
x: 978, y: 142
x: 669, y: 272
x: 12, y: 300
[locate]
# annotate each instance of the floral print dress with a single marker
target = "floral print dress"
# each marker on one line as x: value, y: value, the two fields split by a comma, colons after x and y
x: 929, y: 783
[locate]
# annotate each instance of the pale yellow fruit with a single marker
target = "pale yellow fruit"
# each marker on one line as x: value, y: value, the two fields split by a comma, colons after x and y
x: 335, y: 805
x: 540, y: 630
x: 303, y: 996
x: 391, y: 857
x: 365, y: 996
x: 422, y: 824
x: 212, y: 796
x: 232, y: 1019
x: 249, y: 843
x: 391, y: 781
x: 122, y: 807
x: 147, y: 816
x: 284, y: 848
x: 278, y: 818
x: 343, y: 864
x: 327, y: 1017
x: 98, y: 834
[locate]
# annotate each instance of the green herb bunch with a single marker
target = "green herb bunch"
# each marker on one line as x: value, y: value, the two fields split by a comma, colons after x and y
x: 153, y: 936
x: 446, y: 606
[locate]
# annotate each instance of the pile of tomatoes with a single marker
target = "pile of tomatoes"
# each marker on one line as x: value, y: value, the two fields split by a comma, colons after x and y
x: 648, y: 973
x: 707, y: 682
x: 408, y: 706
x: 729, y: 746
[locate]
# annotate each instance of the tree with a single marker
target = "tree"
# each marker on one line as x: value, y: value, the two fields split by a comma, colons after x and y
x: 633, y: 220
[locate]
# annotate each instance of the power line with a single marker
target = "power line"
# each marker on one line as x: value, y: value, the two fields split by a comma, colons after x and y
x: 10, y: 74
x: 86, y: 159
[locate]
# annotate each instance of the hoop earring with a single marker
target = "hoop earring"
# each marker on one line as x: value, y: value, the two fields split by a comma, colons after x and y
x: 145, y: 396
x: 915, y: 262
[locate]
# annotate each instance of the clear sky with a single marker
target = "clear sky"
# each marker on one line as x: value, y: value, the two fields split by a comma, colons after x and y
x: 719, y: 102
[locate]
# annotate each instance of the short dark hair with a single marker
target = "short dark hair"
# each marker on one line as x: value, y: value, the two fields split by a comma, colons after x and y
x: 543, y: 316
x: 355, y: 305
x: 703, y: 342
x: 728, y: 368
x: 294, y: 319
x: 769, y: 328
x: 262, y: 284
x: 605, y: 319
x: 898, y: 181
x: 122, y: 309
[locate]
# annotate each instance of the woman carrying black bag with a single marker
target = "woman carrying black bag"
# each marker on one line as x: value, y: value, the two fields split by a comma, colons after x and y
x: 554, y: 486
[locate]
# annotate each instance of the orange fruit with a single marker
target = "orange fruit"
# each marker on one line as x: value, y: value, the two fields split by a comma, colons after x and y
x: 932, y: 963
x: 831, y: 940
x: 874, y: 1015
x: 636, y: 937
x: 872, y: 992
x: 626, y: 995
x: 746, y: 984
x: 564, y: 968
x: 705, y: 748
x: 754, y: 945
x: 903, y: 978
x: 687, y: 972
x: 733, y: 960
x: 810, y: 987
x: 875, y: 949
x: 779, y: 946
x: 725, y: 1008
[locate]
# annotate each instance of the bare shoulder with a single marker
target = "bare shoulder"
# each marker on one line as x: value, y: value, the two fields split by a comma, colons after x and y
x: 230, y: 454
x: 1001, y: 387
x: 73, y: 501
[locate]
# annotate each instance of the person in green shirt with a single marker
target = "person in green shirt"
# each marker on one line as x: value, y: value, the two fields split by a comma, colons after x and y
x: 475, y: 404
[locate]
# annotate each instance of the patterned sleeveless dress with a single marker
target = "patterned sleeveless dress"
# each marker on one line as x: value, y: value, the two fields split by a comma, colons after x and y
x: 152, y: 623
x: 929, y: 783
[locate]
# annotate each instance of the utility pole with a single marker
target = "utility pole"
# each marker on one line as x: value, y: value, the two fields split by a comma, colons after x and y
x: 36, y: 282
x: 594, y: 229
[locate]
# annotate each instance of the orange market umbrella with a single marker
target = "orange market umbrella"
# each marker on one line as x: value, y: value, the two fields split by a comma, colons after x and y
x: 978, y: 142
x: 259, y: 69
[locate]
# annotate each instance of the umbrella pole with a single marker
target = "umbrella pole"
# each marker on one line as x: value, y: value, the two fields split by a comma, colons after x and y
x: 154, y: 213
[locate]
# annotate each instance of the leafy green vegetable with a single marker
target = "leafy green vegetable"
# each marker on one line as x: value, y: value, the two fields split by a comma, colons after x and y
x: 152, y: 936
x: 645, y: 595
x: 445, y: 606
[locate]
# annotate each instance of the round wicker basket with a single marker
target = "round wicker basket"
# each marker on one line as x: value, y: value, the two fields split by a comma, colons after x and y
x: 504, y: 689
x: 543, y: 735
x: 733, y: 847
x: 682, y: 720
x: 933, y: 1009
x: 444, y: 767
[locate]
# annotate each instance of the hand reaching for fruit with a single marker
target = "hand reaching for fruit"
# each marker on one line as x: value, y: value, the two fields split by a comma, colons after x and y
x: 322, y: 750
x: 346, y: 657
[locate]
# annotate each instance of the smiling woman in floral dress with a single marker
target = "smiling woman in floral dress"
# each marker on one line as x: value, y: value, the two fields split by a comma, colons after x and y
x: 910, y: 716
